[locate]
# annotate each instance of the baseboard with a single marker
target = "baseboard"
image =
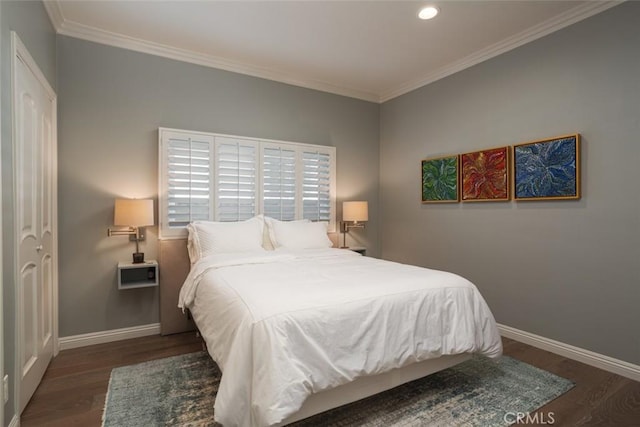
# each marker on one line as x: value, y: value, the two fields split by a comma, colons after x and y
x: 15, y: 421
x: 620, y: 367
x: 102, y: 337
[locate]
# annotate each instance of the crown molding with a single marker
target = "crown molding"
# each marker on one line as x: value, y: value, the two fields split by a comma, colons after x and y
x: 55, y: 13
x: 556, y: 23
x: 73, y: 29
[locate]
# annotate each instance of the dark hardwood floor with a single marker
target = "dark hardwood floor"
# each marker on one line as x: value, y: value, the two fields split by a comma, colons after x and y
x: 73, y: 390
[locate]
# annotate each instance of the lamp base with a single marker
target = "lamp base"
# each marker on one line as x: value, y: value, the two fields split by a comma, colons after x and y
x: 138, y: 257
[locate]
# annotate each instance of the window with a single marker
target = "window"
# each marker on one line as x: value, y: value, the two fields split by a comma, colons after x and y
x: 206, y: 176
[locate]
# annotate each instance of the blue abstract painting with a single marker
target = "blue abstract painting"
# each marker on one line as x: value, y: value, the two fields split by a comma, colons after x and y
x: 548, y: 169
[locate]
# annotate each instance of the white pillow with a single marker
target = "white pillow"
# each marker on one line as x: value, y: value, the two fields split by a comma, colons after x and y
x: 208, y: 237
x: 300, y: 235
x: 269, y: 222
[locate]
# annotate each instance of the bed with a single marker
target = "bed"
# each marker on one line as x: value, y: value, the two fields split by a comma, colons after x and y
x: 304, y: 328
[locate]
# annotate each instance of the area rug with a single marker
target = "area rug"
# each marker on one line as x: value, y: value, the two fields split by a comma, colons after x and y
x: 180, y: 391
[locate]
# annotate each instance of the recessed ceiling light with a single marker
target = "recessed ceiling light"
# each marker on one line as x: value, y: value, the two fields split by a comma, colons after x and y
x: 428, y: 12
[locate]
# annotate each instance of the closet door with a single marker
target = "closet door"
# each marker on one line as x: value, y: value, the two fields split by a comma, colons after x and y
x: 34, y: 148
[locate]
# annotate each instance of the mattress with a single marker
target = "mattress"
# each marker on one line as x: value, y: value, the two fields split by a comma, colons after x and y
x: 283, y: 325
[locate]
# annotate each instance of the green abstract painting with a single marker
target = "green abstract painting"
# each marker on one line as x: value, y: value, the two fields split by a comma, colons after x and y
x: 440, y: 180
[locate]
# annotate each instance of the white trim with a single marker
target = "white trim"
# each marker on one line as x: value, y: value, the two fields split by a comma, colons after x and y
x: 73, y: 29
x: 15, y: 421
x: 554, y: 24
x: 19, y: 49
x: 83, y: 340
x: 620, y: 367
x: 54, y: 220
x: 55, y: 13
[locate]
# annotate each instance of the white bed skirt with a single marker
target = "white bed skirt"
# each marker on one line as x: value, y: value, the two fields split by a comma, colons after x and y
x: 368, y: 386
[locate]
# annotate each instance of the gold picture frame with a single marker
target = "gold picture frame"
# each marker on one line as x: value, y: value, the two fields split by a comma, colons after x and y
x: 547, y: 169
x: 485, y: 175
x: 441, y: 179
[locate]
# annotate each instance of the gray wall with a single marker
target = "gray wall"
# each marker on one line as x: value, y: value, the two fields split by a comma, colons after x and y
x: 566, y: 270
x: 111, y: 103
x: 31, y: 22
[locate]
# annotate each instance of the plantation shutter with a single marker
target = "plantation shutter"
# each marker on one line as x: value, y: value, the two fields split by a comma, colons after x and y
x: 188, y: 178
x: 213, y: 177
x: 236, y: 175
x: 279, y: 182
x: 316, y: 186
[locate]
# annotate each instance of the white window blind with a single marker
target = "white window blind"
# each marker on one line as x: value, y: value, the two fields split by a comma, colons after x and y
x: 207, y: 176
x: 187, y: 178
x: 236, y: 173
x: 279, y: 182
x: 316, y: 185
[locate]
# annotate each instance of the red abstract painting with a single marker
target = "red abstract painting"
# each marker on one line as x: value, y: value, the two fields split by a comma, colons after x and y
x: 485, y: 175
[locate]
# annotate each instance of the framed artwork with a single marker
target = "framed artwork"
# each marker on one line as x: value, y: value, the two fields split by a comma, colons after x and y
x: 548, y: 169
x: 485, y: 175
x: 440, y: 180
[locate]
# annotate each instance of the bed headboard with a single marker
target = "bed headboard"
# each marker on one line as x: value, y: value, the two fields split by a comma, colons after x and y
x: 174, y: 267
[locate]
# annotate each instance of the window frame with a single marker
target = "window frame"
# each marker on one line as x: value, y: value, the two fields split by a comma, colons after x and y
x: 166, y: 232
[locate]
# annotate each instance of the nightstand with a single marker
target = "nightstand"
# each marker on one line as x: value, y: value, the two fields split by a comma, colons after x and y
x: 362, y: 251
x: 140, y: 275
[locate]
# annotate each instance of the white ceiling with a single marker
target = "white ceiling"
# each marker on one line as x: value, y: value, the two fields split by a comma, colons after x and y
x: 372, y: 50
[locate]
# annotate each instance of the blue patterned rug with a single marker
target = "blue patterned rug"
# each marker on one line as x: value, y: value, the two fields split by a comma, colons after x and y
x: 180, y: 391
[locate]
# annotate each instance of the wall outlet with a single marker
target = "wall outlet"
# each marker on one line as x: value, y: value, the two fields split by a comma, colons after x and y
x: 5, y: 388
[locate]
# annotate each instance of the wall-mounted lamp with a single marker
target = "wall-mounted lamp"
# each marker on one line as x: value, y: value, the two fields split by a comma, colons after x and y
x: 354, y: 215
x: 132, y: 214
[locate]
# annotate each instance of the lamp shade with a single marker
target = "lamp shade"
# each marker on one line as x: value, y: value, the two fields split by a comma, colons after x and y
x: 133, y: 212
x: 355, y: 211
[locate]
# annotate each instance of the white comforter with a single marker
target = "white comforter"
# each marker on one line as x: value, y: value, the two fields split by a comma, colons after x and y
x: 284, y: 325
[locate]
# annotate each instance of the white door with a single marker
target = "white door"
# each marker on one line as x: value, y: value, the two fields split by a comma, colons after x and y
x: 34, y: 145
